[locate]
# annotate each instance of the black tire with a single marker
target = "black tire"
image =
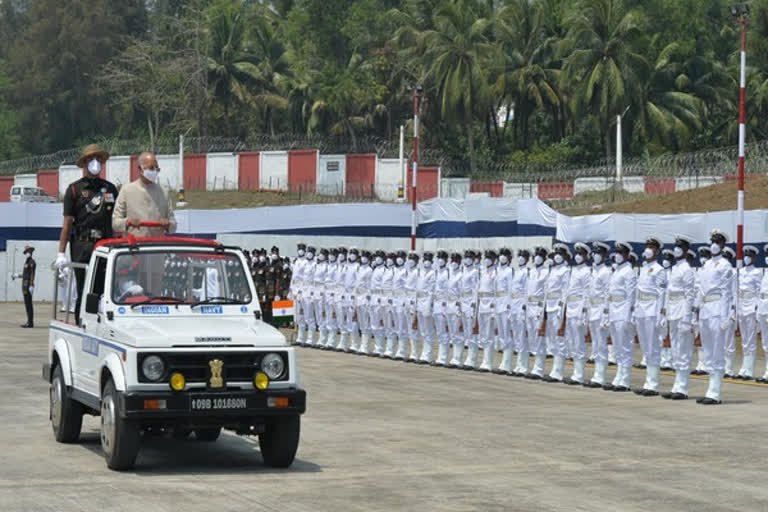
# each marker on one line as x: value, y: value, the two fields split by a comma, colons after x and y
x: 181, y: 433
x: 119, y: 438
x: 65, y: 413
x: 207, y: 435
x: 280, y: 441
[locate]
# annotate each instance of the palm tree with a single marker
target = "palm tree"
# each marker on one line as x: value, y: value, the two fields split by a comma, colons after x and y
x: 273, y: 71
x: 601, y: 69
x: 454, y: 58
x: 232, y: 67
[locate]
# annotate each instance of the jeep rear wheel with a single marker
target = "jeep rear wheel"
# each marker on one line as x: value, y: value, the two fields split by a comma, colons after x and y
x: 66, y: 414
x: 280, y: 440
x: 207, y: 435
x: 119, y: 438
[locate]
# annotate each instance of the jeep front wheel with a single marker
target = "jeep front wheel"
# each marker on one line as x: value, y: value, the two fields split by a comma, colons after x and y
x: 66, y: 414
x: 280, y: 440
x: 119, y: 438
x: 207, y: 435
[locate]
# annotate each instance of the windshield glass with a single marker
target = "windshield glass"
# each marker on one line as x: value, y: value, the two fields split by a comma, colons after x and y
x: 181, y: 276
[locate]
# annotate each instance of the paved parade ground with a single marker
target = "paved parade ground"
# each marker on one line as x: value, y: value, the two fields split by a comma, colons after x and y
x: 383, y: 435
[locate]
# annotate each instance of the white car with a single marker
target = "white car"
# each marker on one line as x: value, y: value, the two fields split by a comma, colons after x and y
x: 171, y: 341
x: 31, y: 195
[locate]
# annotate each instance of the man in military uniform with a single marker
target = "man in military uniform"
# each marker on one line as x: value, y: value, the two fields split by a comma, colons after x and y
x: 258, y: 272
x: 273, y: 270
x: 28, y: 285
x: 88, y: 205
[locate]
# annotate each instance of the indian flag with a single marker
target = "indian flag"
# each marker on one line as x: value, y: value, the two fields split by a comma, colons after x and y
x: 282, y: 311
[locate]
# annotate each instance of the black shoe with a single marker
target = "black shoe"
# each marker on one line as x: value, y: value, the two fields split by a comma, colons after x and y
x: 398, y: 358
x: 638, y: 391
x: 591, y: 360
x: 650, y: 392
x: 746, y: 378
x: 371, y: 354
x: 533, y: 376
x: 27, y: 326
x: 700, y: 399
x: 621, y: 389
x: 728, y: 376
x: 667, y: 395
x: 547, y: 378
x: 453, y: 366
x: 571, y: 382
x: 499, y: 372
x: 516, y: 374
x: 482, y: 370
x: 710, y: 401
x: 593, y: 385
x: 611, y: 364
x: 422, y: 362
x: 550, y: 356
x: 679, y: 396
x: 608, y: 387
x: 760, y: 380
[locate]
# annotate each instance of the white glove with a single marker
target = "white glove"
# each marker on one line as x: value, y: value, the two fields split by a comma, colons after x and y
x: 662, y: 322
x: 134, y: 290
x: 61, y: 259
x: 277, y: 297
x: 31, y: 289
x: 605, y: 322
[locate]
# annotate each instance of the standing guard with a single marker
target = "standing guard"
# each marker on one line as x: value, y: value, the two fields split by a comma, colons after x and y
x: 486, y: 315
x: 577, y: 313
x: 28, y: 285
x: 557, y: 285
x: 621, y: 298
x: 425, y: 286
x: 535, y: 316
x: 517, y: 306
x: 600, y: 279
x: 750, y: 278
x: 363, y: 302
x: 504, y: 276
x: 407, y: 330
x: 468, y: 302
x: 440, y: 308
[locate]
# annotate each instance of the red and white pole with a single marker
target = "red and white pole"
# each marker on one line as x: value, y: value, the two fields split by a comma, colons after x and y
x: 415, y: 164
x: 742, y: 137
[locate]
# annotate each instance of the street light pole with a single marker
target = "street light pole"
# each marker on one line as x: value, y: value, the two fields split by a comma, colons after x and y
x: 417, y: 92
x: 741, y: 13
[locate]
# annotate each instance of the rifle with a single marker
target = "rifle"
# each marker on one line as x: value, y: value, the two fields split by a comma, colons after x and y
x: 561, y: 329
x: 543, y: 328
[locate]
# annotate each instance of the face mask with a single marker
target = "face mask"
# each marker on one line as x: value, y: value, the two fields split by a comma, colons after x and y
x: 332, y: 258
x: 364, y: 260
x: 521, y: 261
x: 301, y: 252
x: 342, y: 257
x: 648, y: 253
x: 399, y: 262
x: 94, y: 167
x: 618, y: 258
x: 274, y: 256
x: 702, y: 260
x: 150, y: 175
x: 597, y: 258
x: 477, y: 261
x: 454, y: 265
x: 427, y: 264
x: 747, y: 260
x: 678, y: 252
x: 262, y: 259
x: 310, y: 255
x: 487, y: 262
x: 538, y: 260
x: 352, y: 257
x: 411, y: 263
x: 378, y: 260
x: 579, y: 259
x: 321, y: 257
x: 666, y: 264
x: 503, y: 260
x: 715, y: 249
x: 558, y: 259
x: 441, y: 263
x: 390, y: 262
x: 285, y: 266
x: 467, y: 261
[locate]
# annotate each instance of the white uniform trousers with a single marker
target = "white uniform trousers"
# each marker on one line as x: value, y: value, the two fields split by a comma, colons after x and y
x: 319, y: 309
x: 298, y: 311
x: 762, y: 321
x: 376, y: 313
x: 404, y: 315
x: 599, y: 336
x: 308, y: 305
x: 622, y: 338
x: 576, y: 333
x: 468, y: 321
x: 713, y: 343
x: 390, y: 317
x: 454, y: 334
x: 441, y: 327
x: 333, y: 308
x: 536, y: 344
x: 748, y: 328
x: 648, y: 334
x: 556, y: 344
x: 518, y: 332
x: 502, y: 325
x: 681, y: 337
x: 485, y: 322
x: 364, y: 318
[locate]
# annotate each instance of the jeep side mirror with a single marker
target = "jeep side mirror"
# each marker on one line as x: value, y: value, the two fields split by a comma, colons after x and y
x: 92, y: 303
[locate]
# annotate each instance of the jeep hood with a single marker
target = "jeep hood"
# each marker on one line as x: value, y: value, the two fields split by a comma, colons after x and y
x: 196, y: 331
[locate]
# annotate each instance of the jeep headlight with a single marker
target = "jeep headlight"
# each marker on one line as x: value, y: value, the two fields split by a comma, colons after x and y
x: 273, y: 366
x: 153, y: 368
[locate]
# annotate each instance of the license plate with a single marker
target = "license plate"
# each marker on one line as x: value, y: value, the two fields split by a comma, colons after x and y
x: 218, y: 403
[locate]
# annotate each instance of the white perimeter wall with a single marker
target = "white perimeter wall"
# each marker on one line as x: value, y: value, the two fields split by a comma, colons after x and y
x: 521, y: 190
x: 331, y: 183
x: 119, y: 170
x: 171, y: 176
x: 25, y: 180
x: 693, y: 182
x: 389, y: 176
x: 273, y: 170
x: 68, y: 174
x: 454, y: 188
x: 221, y: 171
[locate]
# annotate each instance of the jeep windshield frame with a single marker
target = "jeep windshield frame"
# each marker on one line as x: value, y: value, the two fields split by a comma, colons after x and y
x: 179, y: 276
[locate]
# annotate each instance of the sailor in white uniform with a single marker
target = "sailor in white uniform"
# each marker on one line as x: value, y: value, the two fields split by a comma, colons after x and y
x: 621, y: 298
x: 486, y: 314
x: 504, y: 276
x: 750, y: 278
x: 598, y: 312
x: 577, y: 312
x: 517, y: 305
x: 534, y: 312
x: 425, y: 286
x: 557, y: 286
x: 468, y: 302
x: 363, y: 302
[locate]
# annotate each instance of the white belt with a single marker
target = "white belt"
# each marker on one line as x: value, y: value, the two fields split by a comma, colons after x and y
x: 514, y: 296
x: 574, y: 298
x: 617, y: 298
x: 712, y: 298
x: 501, y: 294
x: 553, y: 295
x: 747, y: 295
x: 422, y: 295
x: 398, y: 293
x: 486, y: 294
x: 535, y: 298
x: 596, y: 301
x: 646, y: 297
x: 468, y: 295
x: 676, y: 296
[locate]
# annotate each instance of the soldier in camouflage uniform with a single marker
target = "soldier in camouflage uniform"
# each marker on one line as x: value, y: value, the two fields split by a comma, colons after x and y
x: 258, y: 272
x: 272, y: 282
x: 28, y: 285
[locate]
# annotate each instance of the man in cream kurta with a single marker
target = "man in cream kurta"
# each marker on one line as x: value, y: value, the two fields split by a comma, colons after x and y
x: 144, y: 200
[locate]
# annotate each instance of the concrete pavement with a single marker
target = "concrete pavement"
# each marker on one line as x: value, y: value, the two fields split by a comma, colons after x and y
x: 383, y: 435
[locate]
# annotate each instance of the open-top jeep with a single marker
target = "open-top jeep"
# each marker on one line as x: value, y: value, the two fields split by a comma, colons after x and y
x: 171, y: 341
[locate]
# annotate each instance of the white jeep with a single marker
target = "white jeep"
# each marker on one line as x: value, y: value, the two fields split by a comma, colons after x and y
x: 171, y: 342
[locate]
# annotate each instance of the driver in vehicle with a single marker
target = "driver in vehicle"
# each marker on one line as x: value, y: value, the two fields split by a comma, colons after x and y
x: 126, y: 279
